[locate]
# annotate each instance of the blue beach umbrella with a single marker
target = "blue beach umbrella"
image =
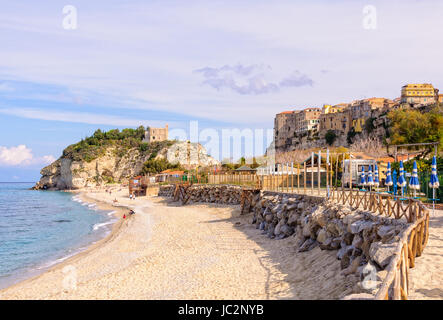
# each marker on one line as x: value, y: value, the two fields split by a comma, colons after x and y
x: 362, y: 177
x: 388, y: 180
x: 413, y: 182
x: 370, y: 181
x: 401, y: 177
x: 376, y: 180
x: 434, y: 183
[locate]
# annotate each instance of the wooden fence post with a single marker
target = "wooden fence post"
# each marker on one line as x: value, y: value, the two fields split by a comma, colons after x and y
x: 298, y: 177
x: 318, y: 171
x: 312, y: 174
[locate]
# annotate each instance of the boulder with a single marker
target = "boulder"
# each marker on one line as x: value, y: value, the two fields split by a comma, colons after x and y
x: 357, y: 241
x: 307, y: 244
x: 319, y: 217
x: 360, y: 225
x: 322, y: 236
x: 381, y: 253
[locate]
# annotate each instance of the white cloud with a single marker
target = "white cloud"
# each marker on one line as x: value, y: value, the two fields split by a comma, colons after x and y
x: 21, y: 155
x: 250, y: 79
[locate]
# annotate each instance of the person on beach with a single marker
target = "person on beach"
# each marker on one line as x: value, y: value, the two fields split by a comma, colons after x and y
x: 130, y: 196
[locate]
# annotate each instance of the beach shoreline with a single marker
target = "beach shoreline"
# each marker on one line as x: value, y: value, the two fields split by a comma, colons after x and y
x: 197, y: 251
x: 116, y: 227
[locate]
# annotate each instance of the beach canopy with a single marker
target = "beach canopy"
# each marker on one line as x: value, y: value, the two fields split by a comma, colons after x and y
x: 370, y: 181
x: 434, y: 183
x: 413, y: 182
x: 362, y: 177
x: 376, y: 180
x: 388, y: 180
x: 401, y: 176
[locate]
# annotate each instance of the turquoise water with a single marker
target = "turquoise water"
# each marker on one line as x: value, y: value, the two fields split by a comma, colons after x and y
x: 41, y: 228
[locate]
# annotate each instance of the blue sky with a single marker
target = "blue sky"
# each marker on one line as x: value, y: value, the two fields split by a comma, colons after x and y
x: 227, y: 64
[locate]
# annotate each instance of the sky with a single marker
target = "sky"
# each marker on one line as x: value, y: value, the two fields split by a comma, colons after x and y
x: 225, y: 64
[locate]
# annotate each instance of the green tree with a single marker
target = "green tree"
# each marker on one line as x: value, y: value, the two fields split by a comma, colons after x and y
x: 412, y: 126
x: 330, y: 137
x: 157, y: 166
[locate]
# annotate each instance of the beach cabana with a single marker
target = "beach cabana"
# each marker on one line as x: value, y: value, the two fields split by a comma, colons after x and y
x: 245, y: 169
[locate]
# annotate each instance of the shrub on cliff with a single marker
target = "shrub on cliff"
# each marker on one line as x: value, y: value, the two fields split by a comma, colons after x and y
x: 156, y: 166
x: 330, y: 137
x: 92, y: 147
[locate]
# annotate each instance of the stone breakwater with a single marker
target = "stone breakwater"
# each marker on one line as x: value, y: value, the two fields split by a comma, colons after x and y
x: 365, y: 242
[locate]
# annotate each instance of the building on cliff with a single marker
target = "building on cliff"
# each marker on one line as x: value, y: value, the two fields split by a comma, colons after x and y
x: 156, y: 134
x: 419, y: 94
x: 289, y: 124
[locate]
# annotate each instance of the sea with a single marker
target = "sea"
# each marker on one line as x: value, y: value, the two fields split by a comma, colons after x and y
x: 39, y: 229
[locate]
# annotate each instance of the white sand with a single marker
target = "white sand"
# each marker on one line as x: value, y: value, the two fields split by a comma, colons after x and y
x: 426, y: 278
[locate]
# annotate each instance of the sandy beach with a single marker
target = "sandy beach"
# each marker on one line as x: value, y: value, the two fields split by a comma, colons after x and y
x: 192, y: 252
x: 198, y: 251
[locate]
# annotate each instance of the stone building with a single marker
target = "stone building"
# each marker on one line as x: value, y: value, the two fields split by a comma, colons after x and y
x: 156, y: 134
x: 290, y: 124
x: 361, y: 110
x: 284, y: 128
x: 307, y: 120
x: 419, y: 94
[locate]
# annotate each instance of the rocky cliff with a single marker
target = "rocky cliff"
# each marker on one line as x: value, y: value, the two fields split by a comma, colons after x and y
x: 114, y: 165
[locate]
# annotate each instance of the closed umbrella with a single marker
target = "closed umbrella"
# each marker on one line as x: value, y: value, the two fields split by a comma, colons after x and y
x: 434, y: 183
x: 370, y: 181
x: 401, y: 177
x: 413, y: 182
x: 362, y: 177
x: 388, y: 180
x: 376, y: 180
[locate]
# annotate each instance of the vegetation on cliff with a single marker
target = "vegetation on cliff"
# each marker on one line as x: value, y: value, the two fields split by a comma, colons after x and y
x: 93, y: 147
x: 412, y: 126
x: 156, y: 166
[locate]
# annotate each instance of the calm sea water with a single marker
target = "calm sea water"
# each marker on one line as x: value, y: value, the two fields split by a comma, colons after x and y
x: 41, y: 228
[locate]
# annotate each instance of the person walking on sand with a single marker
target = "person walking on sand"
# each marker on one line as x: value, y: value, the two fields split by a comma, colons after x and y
x: 130, y: 196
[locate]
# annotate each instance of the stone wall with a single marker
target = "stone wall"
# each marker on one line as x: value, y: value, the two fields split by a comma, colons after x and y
x: 364, y: 242
x: 223, y: 194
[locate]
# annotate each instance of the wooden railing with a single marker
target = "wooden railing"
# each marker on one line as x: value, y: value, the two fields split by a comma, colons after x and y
x: 412, y: 240
x: 381, y: 203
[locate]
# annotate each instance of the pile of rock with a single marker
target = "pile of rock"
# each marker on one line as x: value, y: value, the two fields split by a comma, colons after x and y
x: 223, y: 194
x: 166, y: 191
x: 365, y: 243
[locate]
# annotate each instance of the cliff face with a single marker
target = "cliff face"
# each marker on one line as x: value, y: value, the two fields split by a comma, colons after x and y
x: 68, y: 174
